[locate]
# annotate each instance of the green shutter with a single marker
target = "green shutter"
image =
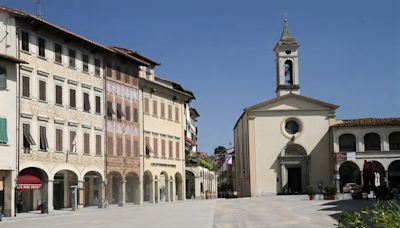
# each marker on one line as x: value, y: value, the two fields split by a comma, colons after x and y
x: 3, y: 131
x: 3, y: 80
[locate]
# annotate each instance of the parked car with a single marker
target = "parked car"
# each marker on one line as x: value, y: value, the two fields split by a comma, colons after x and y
x: 348, y: 187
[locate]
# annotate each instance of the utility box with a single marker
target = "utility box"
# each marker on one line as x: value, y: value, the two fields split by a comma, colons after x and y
x: 74, y: 197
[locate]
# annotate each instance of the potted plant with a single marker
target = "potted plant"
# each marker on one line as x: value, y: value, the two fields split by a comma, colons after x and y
x: 329, y: 193
x: 311, y: 192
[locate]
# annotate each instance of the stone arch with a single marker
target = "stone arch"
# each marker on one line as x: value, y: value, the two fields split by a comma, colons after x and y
x: 93, y: 188
x: 93, y: 169
x: 347, y: 142
x: 32, y: 198
x: 190, y: 184
x: 394, y: 174
x: 179, y: 185
x: 64, y: 179
x: 68, y: 167
x: 295, y: 150
x: 372, y: 141
x: 132, y: 188
x: 163, y: 187
x: 349, y: 173
x: 394, y: 141
x: 148, y: 191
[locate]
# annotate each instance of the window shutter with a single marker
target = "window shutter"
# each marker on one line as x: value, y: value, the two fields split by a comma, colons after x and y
x: 3, y: 131
x: 170, y: 149
x: 146, y: 105
x: 3, y: 78
x: 177, y: 149
x: 72, y: 98
x: 128, y: 113
x: 155, y: 146
x: 135, y: 115
x: 42, y: 90
x: 58, y: 95
x: 163, y: 147
x: 98, y: 144
x: 176, y: 114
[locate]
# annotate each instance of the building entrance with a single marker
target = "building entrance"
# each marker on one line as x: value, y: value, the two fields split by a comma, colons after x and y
x: 294, y: 180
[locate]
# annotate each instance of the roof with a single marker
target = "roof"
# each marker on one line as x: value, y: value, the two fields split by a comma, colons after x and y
x: 291, y: 95
x: 194, y: 112
x: 369, y: 122
x: 286, y: 40
x: 175, y: 85
x: 134, y: 54
x: 11, y: 58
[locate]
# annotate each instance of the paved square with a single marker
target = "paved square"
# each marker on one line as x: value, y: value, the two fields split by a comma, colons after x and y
x: 271, y: 211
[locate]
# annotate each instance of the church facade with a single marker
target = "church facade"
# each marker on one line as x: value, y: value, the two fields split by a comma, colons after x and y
x: 290, y: 142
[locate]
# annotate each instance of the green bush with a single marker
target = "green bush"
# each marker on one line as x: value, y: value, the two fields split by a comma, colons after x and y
x: 383, y: 214
x: 330, y: 190
x: 311, y: 190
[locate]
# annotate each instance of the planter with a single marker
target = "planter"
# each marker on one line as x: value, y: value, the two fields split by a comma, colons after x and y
x: 329, y: 197
x: 312, y: 197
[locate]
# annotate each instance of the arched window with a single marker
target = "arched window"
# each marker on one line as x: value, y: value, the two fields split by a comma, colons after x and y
x: 347, y: 142
x: 394, y: 141
x: 288, y: 72
x: 3, y: 78
x: 372, y: 141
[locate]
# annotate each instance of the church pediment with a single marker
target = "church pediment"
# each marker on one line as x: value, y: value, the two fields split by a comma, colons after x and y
x: 292, y: 102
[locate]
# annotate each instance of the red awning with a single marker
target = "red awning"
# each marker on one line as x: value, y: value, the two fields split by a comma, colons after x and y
x: 29, y: 180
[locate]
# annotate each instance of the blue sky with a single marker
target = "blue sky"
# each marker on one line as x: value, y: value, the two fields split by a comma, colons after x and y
x: 222, y: 50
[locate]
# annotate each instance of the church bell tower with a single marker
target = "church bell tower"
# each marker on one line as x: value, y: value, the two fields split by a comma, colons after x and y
x: 287, y: 71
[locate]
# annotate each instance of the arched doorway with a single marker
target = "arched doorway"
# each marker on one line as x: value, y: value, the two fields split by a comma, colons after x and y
x: 394, y: 174
x: 178, y: 186
x: 93, y: 189
x: 32, y: 189
x: 379, y: 174
x: 132, y: 188
x: 294, y: 171
x: 62, y: 192
x: 349, y: 173
x: 163, y: 187
x: 148, y: 195
x: 115, y: 188
x: 190, y: 185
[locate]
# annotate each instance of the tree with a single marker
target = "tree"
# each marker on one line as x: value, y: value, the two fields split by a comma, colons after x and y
x: 220, y: 150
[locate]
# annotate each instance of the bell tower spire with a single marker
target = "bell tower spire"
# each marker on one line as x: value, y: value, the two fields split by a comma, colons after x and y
x: 287, y: 71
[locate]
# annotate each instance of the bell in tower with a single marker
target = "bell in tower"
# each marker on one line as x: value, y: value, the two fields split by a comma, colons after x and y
x: 287, y: 64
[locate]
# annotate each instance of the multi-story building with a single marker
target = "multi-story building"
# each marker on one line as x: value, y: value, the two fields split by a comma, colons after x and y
x: 124, y: 118
x: 60, y: 113
x: 164, y: 138
x: 9, y: 67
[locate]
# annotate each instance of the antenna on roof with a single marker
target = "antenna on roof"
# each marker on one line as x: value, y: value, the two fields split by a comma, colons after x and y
x: 38, y: 6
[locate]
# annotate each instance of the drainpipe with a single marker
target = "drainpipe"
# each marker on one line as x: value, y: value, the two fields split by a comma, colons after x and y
x: 18, y: 106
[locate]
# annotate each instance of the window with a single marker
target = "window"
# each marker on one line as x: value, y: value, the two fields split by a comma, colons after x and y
x: 3, y: 78
x: 135, y: 115
x: 3, y: 131
x: 110, y: 110
x: 108, y: 70
x: 119, y: 112
x: 72, y: 98
x: 58, y: 53
x: 119, y: 146
x: 42, y: 47
x: 177, y: 114
x: 28, y: 139
x: 58, y: 94
x: 170, y: 112
x: 147, y: 143
x: 98, y: 104
x: 155, y: 146
x: 59, y: 140
x: 98, y: 144
x: 127, y: 77
x: 86, y: 143
x: 372, y: 141
x: 162, y: 110
x: 43, y: 139
x: 118, y: 73
x: 163, y: 147
x: 177, y: 149
x: 25, y: 41
x: 72, y: 55
x: 170, y: 149
x: 394, y: 141
x: 97, y: 67
x: 25, y: 87
x: 110, y: 145
x: 85, y: 61
x: 136, y: 148
x: 128, y: 148
x: 42, y: 90
x: 347, y: 142
x: 72, y: 142
x: 146, y: 105
x: 128, y: 113
x: 86, y: 103
x: 154, y: 107
x: 292, y: 126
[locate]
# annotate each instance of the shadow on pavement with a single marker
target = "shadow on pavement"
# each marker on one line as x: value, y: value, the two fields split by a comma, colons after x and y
x: 340, y: 206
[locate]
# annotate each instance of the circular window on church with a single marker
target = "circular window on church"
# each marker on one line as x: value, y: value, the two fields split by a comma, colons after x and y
x: 292, y: 126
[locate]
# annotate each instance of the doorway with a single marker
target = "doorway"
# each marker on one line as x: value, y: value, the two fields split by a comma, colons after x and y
x: 294, y: 180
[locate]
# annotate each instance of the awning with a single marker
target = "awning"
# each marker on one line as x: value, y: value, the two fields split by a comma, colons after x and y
x: 29, y: 180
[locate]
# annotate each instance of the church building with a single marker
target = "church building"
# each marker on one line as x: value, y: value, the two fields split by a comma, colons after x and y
x: 282, y: 145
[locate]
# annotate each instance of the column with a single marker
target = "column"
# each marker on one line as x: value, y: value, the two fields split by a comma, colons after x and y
x: 362, y: 179
x: 174, y: 190
x: 50, y: 206
x: 80, y: 194
x: 171, y: 193
x: 167, y: 189
x: 140, y: 190
x: 102, y: 195
x: 66, y: 191
x: 122, y: 193
x: 387, y: 178
x: 9, y: 194
x: 90, y: 201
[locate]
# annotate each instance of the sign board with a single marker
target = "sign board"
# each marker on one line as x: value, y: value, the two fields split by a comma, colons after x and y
x: 29, y: 186
x: 351, y: 156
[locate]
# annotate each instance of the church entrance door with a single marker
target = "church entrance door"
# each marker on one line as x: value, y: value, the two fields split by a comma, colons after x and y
x: 294, y: 180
